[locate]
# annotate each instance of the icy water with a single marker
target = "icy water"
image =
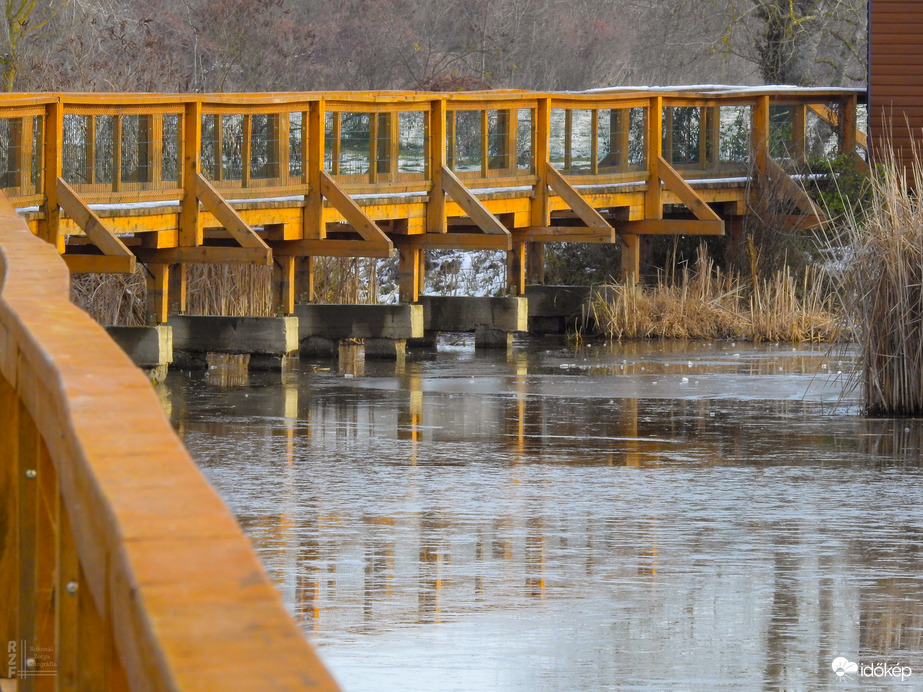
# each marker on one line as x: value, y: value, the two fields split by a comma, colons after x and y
x: 657, y: 516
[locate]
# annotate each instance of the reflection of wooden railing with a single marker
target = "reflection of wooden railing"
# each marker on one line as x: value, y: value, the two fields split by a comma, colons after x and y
x: 121, y: 566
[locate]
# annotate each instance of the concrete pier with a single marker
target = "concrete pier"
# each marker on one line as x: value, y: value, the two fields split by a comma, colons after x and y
x: 150, y: 348
x: 384, y: 328
x: 558, y: 309
x: 493, y: 320
x: 270, y: 341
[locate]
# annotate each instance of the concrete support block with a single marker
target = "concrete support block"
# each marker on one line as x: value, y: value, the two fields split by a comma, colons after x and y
x: 385, y: 349
x: 320, y: 347
x: 150, y: 348
x: 427, y: 342
x: 485, y: 337
x: 464, y: 314
x: 557, y: 309
x: 268, y: 340
x: 339, y: 322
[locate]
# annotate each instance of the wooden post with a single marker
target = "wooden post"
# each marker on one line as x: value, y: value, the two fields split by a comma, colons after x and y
x: 90, y: 149
x: 158, y: 293
x: 703, y: 137
x: 190, y: 229
x: 178, y: 274
x: 653, y: 206
x: 279, y: 134
x: 313, y: 218
x: 373, y: 148
x: 246, y: 149
x: 516, y: 269
x: 25, y: 150
x: 759, y: 134
x: 10, y: 471
x: 535, y: 263
x: 485, y: 143
x: 67, y: 595
x: 336, y: 122
x: 541, y: 127
x: 449, y: 139
x: 594, y: 141
x: 799, y: 120
x: 49, y: 228
x: 512, y: 139
x: 631, y: 257
x: 304, y: 279
x: 568, y: 139
x: 410, y: 260
x: 667, y: 150
x: 27, y: 481
x: 218, y: 129
x: 155, y: 149
x: 435, y: 207
x: 116, y: 153
x: 714, y: 134
x: 846, y: 134
x: 283, y: 283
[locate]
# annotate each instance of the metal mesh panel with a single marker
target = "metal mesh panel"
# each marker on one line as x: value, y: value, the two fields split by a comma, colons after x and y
x: 113, y: 155
x: 21, y: 155
x: 682, y: 135
x: 734, y: 134
x: 464, y: 142
x: 413, y: 143
x: 525, y: 140
x: 821, y: 138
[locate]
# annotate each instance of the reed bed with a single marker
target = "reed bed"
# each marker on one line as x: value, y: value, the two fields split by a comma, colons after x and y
x: 881, y: 286
x: 703, y: 302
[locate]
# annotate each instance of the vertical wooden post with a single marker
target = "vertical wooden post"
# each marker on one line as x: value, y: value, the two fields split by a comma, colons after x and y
x: 46, y: 526
x: 218, y: 130
x: 155, y: 149
x: 667, y: 150
x: 714, y: 134
x: 10, y: 471
x: 283, y: 284
x: 49, y: 227
x: 177, y: 278
x: 594, y: 141
x: 568, y: 139
x: 541, y: 126
x: 304, y: 279
x: 409, y: 272
x: 26, y: 150
x: 703, y: 137
x: 535, y: 263
x: 435, y: 207
x: 485, y: 142
x: 653, y: 206
x: 394, y: 142
x: 373, y: 148
x: 90, y: 149
x: 190, y: 229
x: 67, y: 594
x: 336, y: 132
x: 512, y: 139
x: 799, y: 120
x: 27, y: 480
x: 631, y: 257
x: 158, y: 293
x: 449, y: 139
x: 313, y: 218
x: 305, y: 135
x: 246, y: 149
x: 846, y: 134
x: 116, y: 153
x: 516, y: 269
x: 759, y: 134
x: 279, y: 134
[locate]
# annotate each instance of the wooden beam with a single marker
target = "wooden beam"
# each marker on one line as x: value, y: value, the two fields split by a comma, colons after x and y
x: 583, y: 209
x: 653, y: 204
x: 539, y: 210
x: 354, y: 214
x: 568, y: 234
x: 830, y: 116
x: 777, y: 179
x: 672, y: 227
x: 204, y: 254
x: 105, y: 240
x: 228, y: 217
x: 465, y: 241
x: 471, y: 205
x: 190, y: 234
x: 435, y: 205
x: 99, y: 264
x: 678, y: 186
x: 331, y: 248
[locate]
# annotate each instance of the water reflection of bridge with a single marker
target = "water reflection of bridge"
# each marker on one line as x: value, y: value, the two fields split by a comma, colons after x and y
x: 279, y: 179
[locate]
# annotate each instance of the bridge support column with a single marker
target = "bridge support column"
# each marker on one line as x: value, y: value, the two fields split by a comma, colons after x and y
x: 384, y: 328
x: 516, y: 261
x: 631, y: 257
x: 150, y: 348
x: 304, y: 279
x: 535, y: 263
x: 410, y: 273
x: 493, y: 320
x: 158, y: 293
x: 283, y: 285
x: 269, y: 341
x: 177, y: 288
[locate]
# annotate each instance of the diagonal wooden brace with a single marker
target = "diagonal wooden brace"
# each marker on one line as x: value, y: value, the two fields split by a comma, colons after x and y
x: 471, y: 205
x: 245, y: 236
x: 119, y: 258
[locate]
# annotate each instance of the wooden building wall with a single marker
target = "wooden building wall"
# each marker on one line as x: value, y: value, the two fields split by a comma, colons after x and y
x: 896, y: 72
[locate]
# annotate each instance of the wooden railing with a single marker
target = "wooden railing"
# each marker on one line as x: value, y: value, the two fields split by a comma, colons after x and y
x: 121, y: 568
x: 167, y: 180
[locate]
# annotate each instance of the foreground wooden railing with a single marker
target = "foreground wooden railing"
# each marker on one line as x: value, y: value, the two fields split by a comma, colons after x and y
x: 167, y: 180
x: 120, y: 568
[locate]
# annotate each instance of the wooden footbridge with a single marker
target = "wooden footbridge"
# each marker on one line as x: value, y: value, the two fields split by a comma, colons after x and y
x: 119, y: 567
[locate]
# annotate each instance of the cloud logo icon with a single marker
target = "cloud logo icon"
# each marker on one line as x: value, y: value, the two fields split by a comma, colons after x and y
x: 842, y: 665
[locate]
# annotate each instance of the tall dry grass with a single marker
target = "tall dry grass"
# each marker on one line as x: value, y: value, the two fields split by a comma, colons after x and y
x: 703, y: 302
x: 880, y: 285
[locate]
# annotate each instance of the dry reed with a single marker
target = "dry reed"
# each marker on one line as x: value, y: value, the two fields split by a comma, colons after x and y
x: 881, y: 286
x: 706, y: 303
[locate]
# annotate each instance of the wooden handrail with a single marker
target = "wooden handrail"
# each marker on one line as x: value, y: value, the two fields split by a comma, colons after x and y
x: 115, y: 552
